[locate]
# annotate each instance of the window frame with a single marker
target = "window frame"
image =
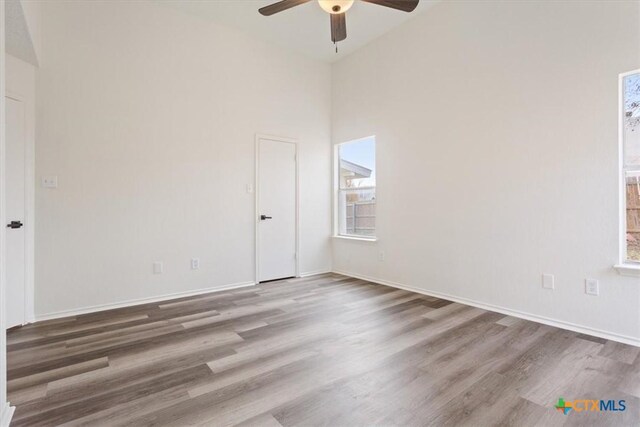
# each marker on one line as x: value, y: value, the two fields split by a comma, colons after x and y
x: 625, y: 266
x: 337, y: 189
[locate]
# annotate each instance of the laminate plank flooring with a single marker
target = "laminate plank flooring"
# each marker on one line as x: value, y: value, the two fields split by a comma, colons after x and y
x: 324, y: 350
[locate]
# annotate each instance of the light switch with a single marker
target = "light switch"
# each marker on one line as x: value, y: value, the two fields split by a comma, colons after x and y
x: 50, y: 181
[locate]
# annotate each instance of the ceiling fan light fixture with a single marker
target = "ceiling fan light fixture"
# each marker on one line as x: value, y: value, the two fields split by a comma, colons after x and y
x: 335, y: 6
x: 336, y: 10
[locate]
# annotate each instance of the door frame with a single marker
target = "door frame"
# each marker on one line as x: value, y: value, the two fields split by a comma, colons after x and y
x: 29, y: 205
x: 256, y: 187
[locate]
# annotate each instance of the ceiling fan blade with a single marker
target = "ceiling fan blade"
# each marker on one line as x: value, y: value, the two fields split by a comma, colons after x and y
x: 338, y: 27
x: 280, y: 6
x: 403, y: 5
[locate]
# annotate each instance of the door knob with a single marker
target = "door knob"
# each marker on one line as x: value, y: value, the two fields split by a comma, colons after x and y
x: 15, y: 224
x: 263, y: 217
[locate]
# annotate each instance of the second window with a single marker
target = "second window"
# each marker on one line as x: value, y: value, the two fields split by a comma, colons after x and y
x: 356, y: 191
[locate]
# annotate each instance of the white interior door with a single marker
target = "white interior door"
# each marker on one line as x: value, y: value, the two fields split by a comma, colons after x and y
x: 276, y: 209
x: 15, y: 209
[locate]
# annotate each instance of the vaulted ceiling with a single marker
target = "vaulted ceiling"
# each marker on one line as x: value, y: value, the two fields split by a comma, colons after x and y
x: 18, y: 38
x: 304, y: 28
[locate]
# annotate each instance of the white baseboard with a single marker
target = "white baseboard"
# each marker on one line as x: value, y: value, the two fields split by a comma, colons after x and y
x: 315, y: 273
x: 515, y: 313
x: 129, y: 303
x: 6, y: 415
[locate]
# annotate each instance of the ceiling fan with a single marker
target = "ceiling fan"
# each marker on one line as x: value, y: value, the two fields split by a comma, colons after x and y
x: 337, y: 10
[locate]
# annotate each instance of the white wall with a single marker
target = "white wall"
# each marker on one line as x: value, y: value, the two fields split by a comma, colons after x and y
x: 148, y: 119
x: 497, y: 156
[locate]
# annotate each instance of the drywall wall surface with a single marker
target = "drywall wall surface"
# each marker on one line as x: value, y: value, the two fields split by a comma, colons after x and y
x: 148, y: 117
x: 496, y: 127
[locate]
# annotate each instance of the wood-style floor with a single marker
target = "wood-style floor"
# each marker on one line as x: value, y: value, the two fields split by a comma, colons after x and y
x: 325, y: 350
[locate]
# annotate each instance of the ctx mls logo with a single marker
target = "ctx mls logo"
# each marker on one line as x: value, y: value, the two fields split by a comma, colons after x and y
x: 590, y: 405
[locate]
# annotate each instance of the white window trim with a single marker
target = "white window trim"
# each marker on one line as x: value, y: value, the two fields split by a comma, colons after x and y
x: 624, y: 266
x: 628, y: 269
x: 336, y: 191
x: 356, y: 238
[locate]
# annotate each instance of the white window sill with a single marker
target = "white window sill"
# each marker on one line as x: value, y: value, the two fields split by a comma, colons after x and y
x: 628, y: 269
x: 357, y: 239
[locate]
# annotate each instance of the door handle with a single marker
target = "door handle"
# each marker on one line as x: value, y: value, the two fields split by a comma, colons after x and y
x: 263, y: 217
x: 15, y: 224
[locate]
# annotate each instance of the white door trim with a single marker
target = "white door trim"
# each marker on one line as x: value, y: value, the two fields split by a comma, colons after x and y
x: 256, y: 216
x: 29, y: 208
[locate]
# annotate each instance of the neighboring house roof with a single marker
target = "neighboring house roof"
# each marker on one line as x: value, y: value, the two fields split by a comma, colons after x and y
x: 352, y: 170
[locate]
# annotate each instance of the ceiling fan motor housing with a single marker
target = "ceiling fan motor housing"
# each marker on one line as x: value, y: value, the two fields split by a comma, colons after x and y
x: 335, y: 6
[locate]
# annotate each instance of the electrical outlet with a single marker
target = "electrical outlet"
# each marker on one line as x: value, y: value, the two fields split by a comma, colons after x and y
x: 548, y: 281
x: 195, y: 263
x: 158, y: 268
x: 381, y: 256
x: 591, y: 287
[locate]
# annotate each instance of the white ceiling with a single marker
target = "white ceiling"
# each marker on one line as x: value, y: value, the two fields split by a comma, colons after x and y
x: 304, y: 28
x: 18, y: 39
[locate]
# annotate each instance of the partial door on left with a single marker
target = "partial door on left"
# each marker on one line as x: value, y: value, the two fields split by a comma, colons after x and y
x: 16, y: 131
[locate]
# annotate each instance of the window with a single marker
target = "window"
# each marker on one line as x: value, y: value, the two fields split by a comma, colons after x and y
x: 631, y: 164
x: 356, y: 188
